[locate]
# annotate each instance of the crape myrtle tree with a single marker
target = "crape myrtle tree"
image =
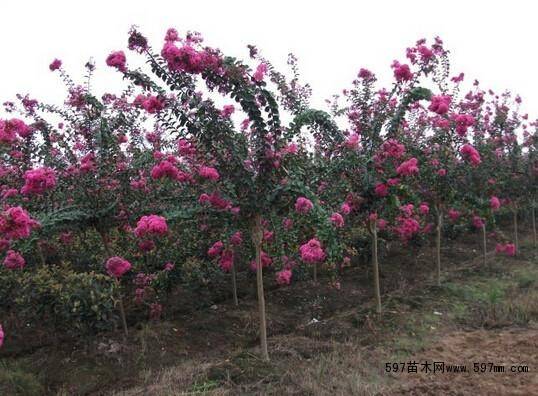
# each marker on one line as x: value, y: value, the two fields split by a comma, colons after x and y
x: 442, y: 128
x: 372, y: 167
x: 256, y: 183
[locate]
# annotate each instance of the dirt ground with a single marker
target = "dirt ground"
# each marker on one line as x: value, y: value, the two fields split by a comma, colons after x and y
x: 512, y: 348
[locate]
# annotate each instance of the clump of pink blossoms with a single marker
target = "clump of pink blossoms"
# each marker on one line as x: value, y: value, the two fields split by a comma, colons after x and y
x: 478, y: 222
x: 284, y: 277
x: 152, y: 225
x: 14, y: 260
x: 117, y: 266
x: 209, y: 173
x: 494, y: 203
x: 117, y: 59
x: 408, y: 168
x: 303, y: 205
x: 312, y: 252
x: 16, y: 223
x: 440, y: 104
x: 402, y: 72
x: 337, y: 220
x: 470, y: 153
x: 508, y: 248
x: 39, y: 180
x: 216, y: 249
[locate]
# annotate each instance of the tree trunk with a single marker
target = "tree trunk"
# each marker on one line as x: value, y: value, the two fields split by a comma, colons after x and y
x: 438, y: 245
x: 533, y: 217
x: 315, y: 269
x: 257, y: 240
x: 484, y: 245
x: 122, y: 309
x: 516, y: 240
x: 375, y: 265
x: 234, y: 281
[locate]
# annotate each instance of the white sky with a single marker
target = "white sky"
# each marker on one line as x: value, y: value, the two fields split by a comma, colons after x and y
x: 493, y: 41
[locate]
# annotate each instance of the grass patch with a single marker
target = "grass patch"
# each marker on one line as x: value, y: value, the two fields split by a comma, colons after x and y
x: 15, y: 380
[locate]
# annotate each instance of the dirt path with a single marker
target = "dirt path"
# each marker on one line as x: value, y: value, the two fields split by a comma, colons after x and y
x: 507, y: 348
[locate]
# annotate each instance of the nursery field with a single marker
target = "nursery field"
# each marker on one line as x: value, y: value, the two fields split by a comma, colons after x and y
x: 323, y: 341
x: 205, y: 230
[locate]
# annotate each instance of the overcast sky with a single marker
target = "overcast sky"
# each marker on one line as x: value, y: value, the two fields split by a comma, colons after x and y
x: 494, y: 41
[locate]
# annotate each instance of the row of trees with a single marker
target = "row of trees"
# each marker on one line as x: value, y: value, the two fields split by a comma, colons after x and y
x: 132, y: 194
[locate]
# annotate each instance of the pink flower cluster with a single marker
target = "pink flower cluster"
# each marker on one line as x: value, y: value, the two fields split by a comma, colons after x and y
x: 226, y: 261
x: 55, y: 64
x: 39, y: 180
x: 14, y: 260
x: 408, y: 168
x: 440, y: 104
x: 152, y: 104
x: 1, y: 336
x: 337, y: 220
x: 470, y: 153
x: 381, y: 190
x: 478, y: 222
x: 508, y: 248
x: 188, y: 59
x: 284, y: 277
x: 117, y: 59
x: 454, y: 214
x: 237, y: 238
x: 312, y: 252
x: 391, y: 149
x: 494, y: 203
x: 152, y: 225
x: 216, y: 249
x: 16, y: 223
x: 259, y: 74
x: 303, y: 205
x: 9, y: 129
x: 117, y: 266
x: 463, y: 122
x: 227, y: 111
x: 352, y: 142
x: 402, y: 72
x: 217, y: 202
x: 209, y: 173
x: 407, y: 228
x: 168, y: 169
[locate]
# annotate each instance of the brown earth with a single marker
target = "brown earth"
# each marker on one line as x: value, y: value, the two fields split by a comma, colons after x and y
x: 509, y: 348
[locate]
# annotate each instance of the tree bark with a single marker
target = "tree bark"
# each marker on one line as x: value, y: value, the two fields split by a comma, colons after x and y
x: 257, y: 240
x: 533, y: 217
x: 234, y: 281
x: 516, y: 240
x: 375, y: 265
x: 438, y: 245
x: 484, y: 244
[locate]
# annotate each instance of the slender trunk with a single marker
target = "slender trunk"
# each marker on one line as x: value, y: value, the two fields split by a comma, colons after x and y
x: 516, y: 241
x: 438, y: 245
x: 315, y: 272
x: 257, y: 239
x: 484, y: 245
x: 122, y: 309
x: 234, y: 282
x: 533, y: 225
x: 375, y: 265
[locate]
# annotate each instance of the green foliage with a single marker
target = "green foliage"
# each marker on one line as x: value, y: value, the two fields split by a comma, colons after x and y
x: 71, y: 302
